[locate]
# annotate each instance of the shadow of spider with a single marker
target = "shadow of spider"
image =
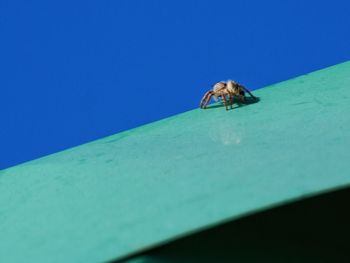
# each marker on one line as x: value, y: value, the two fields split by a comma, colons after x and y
x: 236, y: 103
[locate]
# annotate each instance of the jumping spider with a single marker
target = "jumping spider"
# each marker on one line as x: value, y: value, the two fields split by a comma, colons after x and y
x: 226, y: 90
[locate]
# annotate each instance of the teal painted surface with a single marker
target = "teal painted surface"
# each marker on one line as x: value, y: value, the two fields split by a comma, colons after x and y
x: 130, y: 191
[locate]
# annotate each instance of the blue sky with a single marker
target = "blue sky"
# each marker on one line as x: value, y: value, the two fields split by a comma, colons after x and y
x: 74, y: 71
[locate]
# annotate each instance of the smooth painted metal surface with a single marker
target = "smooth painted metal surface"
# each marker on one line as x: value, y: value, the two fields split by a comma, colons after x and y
x: 118, y: 195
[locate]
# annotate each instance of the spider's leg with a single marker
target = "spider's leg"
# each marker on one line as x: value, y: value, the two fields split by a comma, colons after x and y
x: 224, y: 99
x: 246, y: 90
x: 208, y: 99
x: 204, y: 99
x: 231, y: 100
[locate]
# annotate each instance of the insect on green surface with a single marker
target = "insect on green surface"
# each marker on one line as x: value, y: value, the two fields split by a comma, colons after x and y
x: 134, y: 190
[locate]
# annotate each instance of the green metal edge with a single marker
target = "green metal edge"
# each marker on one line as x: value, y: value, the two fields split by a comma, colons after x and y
x: 134, y: 190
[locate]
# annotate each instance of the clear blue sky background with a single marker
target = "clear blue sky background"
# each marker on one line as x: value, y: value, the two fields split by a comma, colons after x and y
x: 74, y: 71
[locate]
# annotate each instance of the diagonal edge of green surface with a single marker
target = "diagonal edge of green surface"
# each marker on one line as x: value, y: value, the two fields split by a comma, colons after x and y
x: 131, y: 191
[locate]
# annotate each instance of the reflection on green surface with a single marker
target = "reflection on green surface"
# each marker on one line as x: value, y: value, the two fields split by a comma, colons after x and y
x: 311, y: 231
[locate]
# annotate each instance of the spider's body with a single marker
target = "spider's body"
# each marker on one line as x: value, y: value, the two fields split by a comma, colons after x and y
x: 226, y: 91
